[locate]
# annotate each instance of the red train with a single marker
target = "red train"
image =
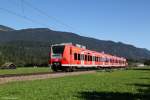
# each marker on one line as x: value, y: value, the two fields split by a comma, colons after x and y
x: 67, y: 57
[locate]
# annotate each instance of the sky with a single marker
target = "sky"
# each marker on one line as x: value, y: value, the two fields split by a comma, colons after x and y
x: 126, y: 21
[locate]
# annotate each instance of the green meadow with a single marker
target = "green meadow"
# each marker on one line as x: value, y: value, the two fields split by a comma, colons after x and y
x: 25, y: 70
x: 131, y: 84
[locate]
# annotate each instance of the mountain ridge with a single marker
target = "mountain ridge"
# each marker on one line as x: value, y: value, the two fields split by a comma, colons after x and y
x: 39, y: 40
x: 5, y: 28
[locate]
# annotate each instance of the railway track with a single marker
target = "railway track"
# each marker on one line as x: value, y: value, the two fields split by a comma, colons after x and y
x: 41, y: 73
x: 44, y: 75
x: 28, y: 74
x: 25, y: 74
x: 35, y: 76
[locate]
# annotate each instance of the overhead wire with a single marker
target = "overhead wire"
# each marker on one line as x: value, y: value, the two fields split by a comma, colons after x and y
x: 23, y: 17
x: 24, y: 2
x: 49, y: 16
x: 22, y: 7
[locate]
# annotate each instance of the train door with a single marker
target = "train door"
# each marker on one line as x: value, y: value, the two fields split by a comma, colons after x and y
x: 82, y: 58
x: 103, y: 59
x: 71, y: 56
x: 93, y: 59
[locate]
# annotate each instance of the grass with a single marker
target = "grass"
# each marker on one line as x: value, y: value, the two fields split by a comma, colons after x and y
x: 133, y: 84
x: 24, y: 70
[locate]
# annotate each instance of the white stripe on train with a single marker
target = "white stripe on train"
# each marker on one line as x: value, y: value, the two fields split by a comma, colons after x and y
x: 65, y: 65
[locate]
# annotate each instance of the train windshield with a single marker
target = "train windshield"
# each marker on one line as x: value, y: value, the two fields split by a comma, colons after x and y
x: 58, y: 49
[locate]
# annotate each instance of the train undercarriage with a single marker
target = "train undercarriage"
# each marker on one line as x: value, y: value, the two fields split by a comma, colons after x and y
x: 58, y: 67
x: 62, y: 68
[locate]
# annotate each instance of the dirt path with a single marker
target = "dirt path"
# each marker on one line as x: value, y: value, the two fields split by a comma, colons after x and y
x: 43, y: 76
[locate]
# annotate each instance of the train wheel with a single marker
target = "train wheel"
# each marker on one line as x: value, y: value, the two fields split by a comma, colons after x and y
x: 73, y: 69
x: 54, y: 68
x: 67, y: 69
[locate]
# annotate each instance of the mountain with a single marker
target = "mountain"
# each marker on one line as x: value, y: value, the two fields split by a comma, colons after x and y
x: 5, y: 28
x: 34, y: 44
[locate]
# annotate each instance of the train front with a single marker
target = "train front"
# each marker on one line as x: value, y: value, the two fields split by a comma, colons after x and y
x: 56, y: 56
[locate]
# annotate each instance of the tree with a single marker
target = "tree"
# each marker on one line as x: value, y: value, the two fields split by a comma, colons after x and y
x: 147, y: 62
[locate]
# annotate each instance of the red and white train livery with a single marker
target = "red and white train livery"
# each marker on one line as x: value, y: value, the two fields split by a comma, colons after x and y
x: 67, y: 57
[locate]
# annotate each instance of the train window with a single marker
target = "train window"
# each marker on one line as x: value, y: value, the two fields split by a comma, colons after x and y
x: 79, y: 57
x: 90, y: 58
x: 116, y: 61
x: 104, y: 59
x: 94, y: 58
x: 113, y: 60
x: 101, y: 59
x: 120, y: 61
x: 70, y: 51
x: 110, y: 60
x: 107, y: 59
x: 85, y: 57
x: 75, y: 56
x: 58, y: 49
x: 97, y: 59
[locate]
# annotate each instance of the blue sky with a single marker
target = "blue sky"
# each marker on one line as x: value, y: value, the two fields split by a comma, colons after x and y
x: 127, y: 21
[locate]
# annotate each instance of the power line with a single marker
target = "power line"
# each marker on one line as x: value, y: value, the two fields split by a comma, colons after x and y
x: 23, y: 3
x: 50, y: 17
x: 22, y: 7
x: 23, y: 17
